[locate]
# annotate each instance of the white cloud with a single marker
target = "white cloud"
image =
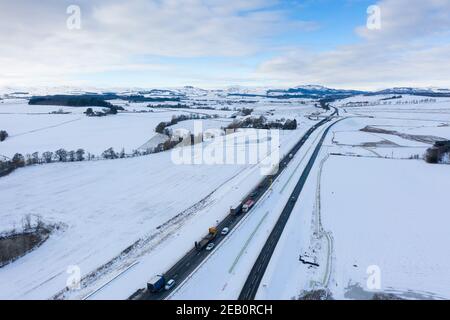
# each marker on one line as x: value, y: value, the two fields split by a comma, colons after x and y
x: 37, y: 46
x: 410, y: 20
x: 412, y: 48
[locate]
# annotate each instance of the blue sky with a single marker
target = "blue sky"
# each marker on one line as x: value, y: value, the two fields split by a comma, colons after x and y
x: 214, y: 43
x: 334, y: 23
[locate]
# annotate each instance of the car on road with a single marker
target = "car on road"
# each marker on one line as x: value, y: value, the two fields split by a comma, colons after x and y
x: 248, y: 205
x: 170, y: 284
x: 225, y: 231
x: 210, y: 246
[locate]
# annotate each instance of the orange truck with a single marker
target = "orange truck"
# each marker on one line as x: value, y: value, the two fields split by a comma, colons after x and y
x: 212, y: 232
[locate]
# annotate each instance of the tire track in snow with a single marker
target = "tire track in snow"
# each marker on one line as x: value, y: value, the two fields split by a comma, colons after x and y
x: 145, y: 245
x: 44, y: 128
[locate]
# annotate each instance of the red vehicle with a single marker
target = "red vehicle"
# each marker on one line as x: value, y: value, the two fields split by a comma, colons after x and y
x: 248, y: 205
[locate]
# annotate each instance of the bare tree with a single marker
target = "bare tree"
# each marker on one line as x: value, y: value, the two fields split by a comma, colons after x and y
x: 61, y: 155
x: 48, y: 156
x: 79, y: 155
x: 18, y: 160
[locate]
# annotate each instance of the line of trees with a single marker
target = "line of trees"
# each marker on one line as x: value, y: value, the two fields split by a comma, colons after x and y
x: 62, y: 155
x: 71, y: 100
x: 389, y: 101
x: 163, y: 127
x: 112, y: 110
x: 262, y: 123
x: 171, y: 106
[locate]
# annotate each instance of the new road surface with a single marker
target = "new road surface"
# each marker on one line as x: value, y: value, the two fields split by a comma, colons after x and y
x: 186, y: 265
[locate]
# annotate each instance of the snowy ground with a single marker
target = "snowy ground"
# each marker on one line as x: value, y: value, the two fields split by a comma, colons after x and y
x: 377, y: 214
x: 368, y: 202
x: 405, y: 234
x: 33, y: 129
x: 371, y: 208
x: 222, y: 275
x: 142, y: 212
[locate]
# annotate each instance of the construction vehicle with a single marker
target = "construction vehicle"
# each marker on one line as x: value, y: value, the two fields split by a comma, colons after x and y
x: 212, y: 232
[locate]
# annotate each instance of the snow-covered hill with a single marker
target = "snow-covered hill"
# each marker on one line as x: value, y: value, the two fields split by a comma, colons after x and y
x: 301, y: 91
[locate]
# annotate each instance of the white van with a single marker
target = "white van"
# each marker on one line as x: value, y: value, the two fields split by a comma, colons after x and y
x: 170, y: 284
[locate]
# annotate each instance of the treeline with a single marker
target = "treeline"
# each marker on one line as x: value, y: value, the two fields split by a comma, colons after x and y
x: 180, y: 106
x: 163, y: 127
x: 93, y: 100
x: 389, y: 101
x: 141, y: 98
x: 107, y: 111
x: 171, y: 106
x: 62, y: 155
x: 263, y: 123
x: 392, y: 98
x: 71, y: 101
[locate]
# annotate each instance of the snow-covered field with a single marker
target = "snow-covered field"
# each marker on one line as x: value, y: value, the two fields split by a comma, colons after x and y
x: 104, y: 207
x: 366, y: 207
x: 374, y: 220
x: 370, y: 203
x: 223, y: 274
x: 386, y: 215
x: 33, y: 129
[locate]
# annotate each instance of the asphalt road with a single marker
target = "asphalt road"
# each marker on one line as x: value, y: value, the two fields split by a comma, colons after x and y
x: 186, y: 265
x: 256, y: 274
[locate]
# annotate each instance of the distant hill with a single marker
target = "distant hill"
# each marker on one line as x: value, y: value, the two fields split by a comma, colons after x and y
x: 427, y: 92
x: 304, y: 92
x: 314, y: 92
x: 77, y: 97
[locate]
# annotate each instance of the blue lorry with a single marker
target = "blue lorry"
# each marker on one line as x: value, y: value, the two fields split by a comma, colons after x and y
x: 156, y: 284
